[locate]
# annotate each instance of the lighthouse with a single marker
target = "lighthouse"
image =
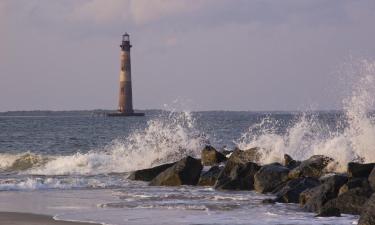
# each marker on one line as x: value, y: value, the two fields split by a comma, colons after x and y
x: 125, y: 104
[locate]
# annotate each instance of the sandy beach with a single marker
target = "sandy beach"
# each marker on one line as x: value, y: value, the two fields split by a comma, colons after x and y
x: 15, y: 218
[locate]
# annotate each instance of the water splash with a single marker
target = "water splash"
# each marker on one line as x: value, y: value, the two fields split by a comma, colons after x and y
x: 166, y: 138
x: 352, y: 139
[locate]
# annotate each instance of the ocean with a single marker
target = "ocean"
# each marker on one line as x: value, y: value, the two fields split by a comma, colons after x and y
x: 74, y: 165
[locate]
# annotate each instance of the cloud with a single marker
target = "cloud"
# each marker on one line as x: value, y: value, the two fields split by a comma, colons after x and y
x: 138, y: 12
x: 145, y: 11
x: 101, y: 12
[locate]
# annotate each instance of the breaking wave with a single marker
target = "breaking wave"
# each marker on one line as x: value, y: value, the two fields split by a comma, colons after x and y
x: 166, y: 138
x: 351, y: 140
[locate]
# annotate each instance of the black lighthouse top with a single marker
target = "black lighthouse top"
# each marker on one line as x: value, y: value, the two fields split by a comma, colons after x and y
x: 125, y: 45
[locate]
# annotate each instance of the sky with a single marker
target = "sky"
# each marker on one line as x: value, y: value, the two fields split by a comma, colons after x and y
x: 206, y: 54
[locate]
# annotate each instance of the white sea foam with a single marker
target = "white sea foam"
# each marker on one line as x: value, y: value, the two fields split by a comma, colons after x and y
x: 165, y: 139
x: 306, y: 136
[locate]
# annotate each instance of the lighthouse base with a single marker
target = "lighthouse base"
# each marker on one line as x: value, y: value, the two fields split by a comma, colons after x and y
x: 122, y: 114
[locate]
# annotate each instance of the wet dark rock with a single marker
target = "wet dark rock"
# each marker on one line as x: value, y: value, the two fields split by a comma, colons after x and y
x: 368, y: 213
x: 270, y: 177
x: 149, y: 174
x: 355, y: 183
x: 360, y: 170
x: 237, y: 176
x: 371, y: 179
x: 249, y: 155
x: 184, y: 172
x: 350, y: 202
x: 209, y: 177
x: 269, y: 201
x: 312, y: 167
x: 238, y: 173
x: 314, y: 199
x: 212, y: 157
x: 290, y: 193
x: 290, y: 162
x: 329, y: 212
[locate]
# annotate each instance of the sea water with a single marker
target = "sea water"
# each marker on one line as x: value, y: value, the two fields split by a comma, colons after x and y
x: 74, y: 164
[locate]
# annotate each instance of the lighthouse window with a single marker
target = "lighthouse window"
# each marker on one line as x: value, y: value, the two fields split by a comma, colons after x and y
x: 122, y: 91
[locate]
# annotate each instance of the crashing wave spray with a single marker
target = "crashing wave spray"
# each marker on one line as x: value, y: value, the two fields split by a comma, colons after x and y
x: 166, y: 138
x: 353, y: 140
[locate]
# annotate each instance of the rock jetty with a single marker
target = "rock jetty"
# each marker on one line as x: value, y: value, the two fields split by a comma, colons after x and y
x: 307, y: 182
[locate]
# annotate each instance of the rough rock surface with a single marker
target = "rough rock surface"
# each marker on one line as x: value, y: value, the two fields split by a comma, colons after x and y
x: 360, y: 170
x: 184, y: 172
x: 211, y: 157
x: 237, y: 176
x: 312, y: 167
x: 329, y: 212
x: 209, y: 177
x: 371, y: 179
x: 148, y: 174
x: 270, y: 177
x: 350, y: 202
x: 245, y: 156
x: 314, y: 199
x: 355, y: 183
x: 368, y: 213
x: 290, y: 193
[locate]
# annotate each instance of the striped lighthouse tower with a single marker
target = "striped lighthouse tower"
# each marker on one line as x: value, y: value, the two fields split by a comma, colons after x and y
x: 125, y: 105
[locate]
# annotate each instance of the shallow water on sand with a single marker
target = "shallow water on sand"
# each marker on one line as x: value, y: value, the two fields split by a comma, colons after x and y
x: 140, y: 204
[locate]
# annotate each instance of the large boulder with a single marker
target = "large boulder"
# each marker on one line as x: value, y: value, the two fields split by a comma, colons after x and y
x: 355, y: 183
x: 238, y: 173
x: 211, y: 157
x: 312, y: 167
x: 290, y: 193
x: 149, y: 174
x: 314, y: 199
x: 184, y: 172
x: 237, y: 176
x: 249, y: 155
x: 368, y: 213
x: 270, y: 177
x: 350, y: 202
x: 209, y: 177
x: 371, y: 179
x: 360, y: 170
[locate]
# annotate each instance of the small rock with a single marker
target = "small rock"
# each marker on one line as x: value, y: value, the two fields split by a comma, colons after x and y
x: 360, y: 170
x: 209, y: 178
x: 212, y: 157
x: 184, y: 172
x: 329, y: 212
x: 368, y: 213
x: 269, y: 177
x: 269, y: 201
x: 148, y: 174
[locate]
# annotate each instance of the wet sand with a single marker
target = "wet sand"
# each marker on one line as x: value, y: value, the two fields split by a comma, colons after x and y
x: 15, y: 218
